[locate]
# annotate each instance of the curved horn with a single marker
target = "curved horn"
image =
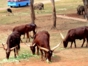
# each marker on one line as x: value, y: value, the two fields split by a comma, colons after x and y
x: 33, y: 44
x: 12, y: 48
x: 6, y: 48
x: 30, y: 44
x: 42, y: 48
x: 56, y: 46
x: 61, y: 35
x: 27, y: 45
x: 3, y: 46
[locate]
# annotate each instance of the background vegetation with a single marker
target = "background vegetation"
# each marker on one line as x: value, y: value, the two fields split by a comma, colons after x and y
x: 22, y: 16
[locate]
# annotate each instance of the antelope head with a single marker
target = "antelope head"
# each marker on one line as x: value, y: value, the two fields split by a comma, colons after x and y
x: 49, y: 53
x: 65, y: 42
x: 8, y: 50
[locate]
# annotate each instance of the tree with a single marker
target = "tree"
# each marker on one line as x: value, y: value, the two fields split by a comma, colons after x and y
x: 32, y: 11
x: 54, y: 14
x: 85, y: 2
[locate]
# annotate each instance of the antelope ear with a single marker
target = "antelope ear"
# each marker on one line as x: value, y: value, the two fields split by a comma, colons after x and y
x: 42, y: 48
x: 3, y: 47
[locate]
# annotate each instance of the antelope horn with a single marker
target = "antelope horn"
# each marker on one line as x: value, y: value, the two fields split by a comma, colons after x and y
x: 33, y: 44
x: 13, y: 48
x: 42, y: 48
x: 56, y: 46
x: 61, y: 35
x: 30, y: 45
x: 10, y: 49
x: 3, y: 46
x: 27, y: 45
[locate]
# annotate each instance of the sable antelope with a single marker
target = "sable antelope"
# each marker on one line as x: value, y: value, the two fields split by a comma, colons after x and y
x: 76, y: 33
x: 25, y: 29
x: 80, y: 9
x: 42, y: 41
x: 13, y: 44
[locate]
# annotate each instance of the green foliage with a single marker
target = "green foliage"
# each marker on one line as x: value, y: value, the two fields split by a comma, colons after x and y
x: 24, y: 54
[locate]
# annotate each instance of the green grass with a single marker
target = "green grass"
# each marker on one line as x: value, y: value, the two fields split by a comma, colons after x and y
x: 23, y: 55
x: 22, y: 14
x: 67, y: 6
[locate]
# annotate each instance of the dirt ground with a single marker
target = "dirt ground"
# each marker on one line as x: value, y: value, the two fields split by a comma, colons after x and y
x: 64, y: 57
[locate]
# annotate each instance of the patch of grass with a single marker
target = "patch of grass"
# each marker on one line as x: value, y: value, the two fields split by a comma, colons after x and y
x: 23, y: 55
x: 14, y: 19
x: 22, y: 15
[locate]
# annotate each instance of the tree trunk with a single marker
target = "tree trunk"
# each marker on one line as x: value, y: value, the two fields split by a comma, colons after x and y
x: 32, y: 11
x: 54, y: 14
x: 85, y: 2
